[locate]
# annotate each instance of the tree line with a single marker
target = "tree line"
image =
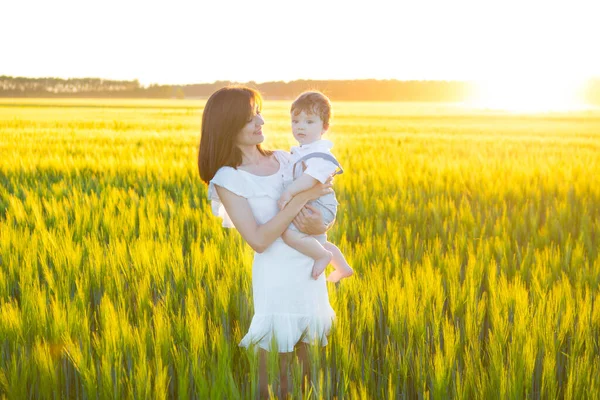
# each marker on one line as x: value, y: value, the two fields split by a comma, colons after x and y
x: 359, y: 90
x: 79, y: 87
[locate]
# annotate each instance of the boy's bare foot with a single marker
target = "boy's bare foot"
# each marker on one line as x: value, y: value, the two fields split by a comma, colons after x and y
x: 341, y: 273
x: 320, y: 265
x: 342, y: 268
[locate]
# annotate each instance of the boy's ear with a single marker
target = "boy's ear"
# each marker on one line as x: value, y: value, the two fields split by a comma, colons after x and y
x: 326, y: 127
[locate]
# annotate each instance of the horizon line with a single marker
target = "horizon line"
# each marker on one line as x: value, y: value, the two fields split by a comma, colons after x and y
x: 471, y: 80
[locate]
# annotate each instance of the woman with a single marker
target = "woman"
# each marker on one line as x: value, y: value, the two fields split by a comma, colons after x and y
x: 245, y: 182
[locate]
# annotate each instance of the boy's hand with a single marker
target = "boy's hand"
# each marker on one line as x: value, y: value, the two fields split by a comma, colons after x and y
x: 284, y: 199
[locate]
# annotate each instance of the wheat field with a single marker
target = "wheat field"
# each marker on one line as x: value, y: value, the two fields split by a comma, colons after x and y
x: 474, y: 234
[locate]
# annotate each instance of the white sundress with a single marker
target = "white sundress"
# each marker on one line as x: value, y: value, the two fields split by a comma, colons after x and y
x: 289, y: 305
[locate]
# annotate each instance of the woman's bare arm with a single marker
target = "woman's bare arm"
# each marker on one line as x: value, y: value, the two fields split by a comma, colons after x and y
x: 310, y: 221
x: 261, y: 236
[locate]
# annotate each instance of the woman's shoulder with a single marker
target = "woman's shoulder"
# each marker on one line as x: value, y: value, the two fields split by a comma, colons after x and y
x: 224, y: 173
x: 242, y: 183
x: 282, y: 156
x: 231, y: 179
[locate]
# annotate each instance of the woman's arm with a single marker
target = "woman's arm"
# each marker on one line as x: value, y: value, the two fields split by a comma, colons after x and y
x: 310, y: 221
x: 259, y: 237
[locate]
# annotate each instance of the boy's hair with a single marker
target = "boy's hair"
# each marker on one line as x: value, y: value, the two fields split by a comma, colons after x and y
x: 313, y: 102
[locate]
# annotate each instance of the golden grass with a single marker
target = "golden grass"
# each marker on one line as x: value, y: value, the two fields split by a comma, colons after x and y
x: 475, y: 237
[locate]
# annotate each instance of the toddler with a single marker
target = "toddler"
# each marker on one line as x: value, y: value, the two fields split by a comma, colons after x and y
x: 312, y: 162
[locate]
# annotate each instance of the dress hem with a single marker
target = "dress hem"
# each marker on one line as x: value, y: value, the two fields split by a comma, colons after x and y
x: 286, y: 330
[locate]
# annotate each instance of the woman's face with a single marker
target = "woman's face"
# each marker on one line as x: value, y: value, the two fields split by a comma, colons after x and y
x: 251, y: 134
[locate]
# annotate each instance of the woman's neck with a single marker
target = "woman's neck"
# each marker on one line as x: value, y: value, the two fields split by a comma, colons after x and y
x: 250, y: 155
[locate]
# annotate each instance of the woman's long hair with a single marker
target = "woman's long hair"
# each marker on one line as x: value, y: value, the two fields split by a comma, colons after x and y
x: 226, y: 112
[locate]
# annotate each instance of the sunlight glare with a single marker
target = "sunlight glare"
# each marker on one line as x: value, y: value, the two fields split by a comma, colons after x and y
x: 529, y: 95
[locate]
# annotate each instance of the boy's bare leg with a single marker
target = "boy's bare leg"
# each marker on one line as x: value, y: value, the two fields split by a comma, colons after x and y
x: 263, y: 379
x: 311, y: 247
x: 342, y: 268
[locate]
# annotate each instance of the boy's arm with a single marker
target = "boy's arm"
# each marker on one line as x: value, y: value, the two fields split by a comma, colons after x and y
x: 301, y: 184
x: 304, y: 182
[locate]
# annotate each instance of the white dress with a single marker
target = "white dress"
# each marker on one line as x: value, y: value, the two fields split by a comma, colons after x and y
x: 289, y: 305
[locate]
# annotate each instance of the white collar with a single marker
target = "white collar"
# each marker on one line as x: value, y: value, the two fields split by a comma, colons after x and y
x: 317, y: 143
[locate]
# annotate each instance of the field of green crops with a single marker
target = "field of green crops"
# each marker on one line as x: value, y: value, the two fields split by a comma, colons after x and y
x: 475, y: 236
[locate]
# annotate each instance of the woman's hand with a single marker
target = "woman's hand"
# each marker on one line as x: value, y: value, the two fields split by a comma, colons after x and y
x: 310, y: 221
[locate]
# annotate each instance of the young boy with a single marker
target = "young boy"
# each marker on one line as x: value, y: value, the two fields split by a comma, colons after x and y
x: 312, y: 162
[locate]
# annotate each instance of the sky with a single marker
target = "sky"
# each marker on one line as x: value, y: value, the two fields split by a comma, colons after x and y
x: 181, y: 42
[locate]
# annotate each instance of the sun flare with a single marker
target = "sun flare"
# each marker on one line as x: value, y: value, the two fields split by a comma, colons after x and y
x: 528, y: 95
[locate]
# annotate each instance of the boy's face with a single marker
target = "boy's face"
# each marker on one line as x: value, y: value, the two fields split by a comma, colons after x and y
x: 307, y: 128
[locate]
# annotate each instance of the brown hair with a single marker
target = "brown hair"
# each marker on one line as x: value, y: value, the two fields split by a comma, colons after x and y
x: 313, y: 102
x: 225, y: 114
